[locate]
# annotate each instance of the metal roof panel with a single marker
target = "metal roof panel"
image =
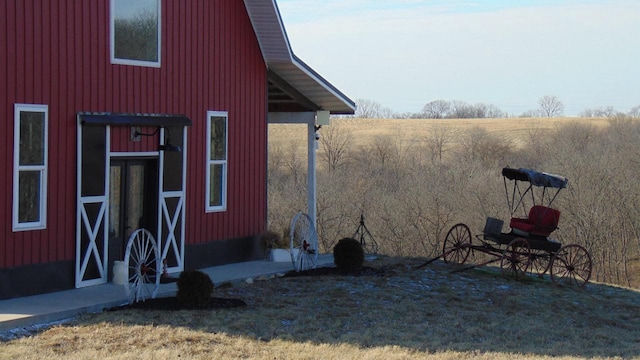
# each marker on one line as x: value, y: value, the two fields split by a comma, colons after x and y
x: 280, y: 59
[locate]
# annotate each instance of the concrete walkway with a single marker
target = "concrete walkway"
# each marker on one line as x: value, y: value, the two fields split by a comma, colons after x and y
x: 46, y: 308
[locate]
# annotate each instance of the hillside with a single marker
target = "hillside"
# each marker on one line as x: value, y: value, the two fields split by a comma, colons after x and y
x: 414, y: 179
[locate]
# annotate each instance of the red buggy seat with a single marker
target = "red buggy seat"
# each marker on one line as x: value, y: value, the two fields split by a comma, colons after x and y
x: 542, y: 221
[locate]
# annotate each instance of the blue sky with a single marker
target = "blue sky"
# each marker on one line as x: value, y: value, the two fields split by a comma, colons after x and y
x: 405, y: 53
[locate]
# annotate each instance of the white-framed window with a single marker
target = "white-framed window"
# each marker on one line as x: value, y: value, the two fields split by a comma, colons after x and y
x: 217, y: 123
x: 135, y: 32
x: 30, y: 149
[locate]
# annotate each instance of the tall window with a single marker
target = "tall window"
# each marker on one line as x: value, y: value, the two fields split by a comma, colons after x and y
x: 135, y: 32
x: 216, y: 161
x: 30, y: 167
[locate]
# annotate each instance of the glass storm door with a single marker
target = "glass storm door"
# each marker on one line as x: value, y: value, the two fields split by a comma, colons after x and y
x: 133, y: 202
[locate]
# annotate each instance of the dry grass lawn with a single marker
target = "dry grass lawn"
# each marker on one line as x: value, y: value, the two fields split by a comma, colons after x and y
x: 407, y: 313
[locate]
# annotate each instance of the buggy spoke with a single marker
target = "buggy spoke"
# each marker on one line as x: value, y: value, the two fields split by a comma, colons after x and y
x: 540, y: 261
x: 516, y: 258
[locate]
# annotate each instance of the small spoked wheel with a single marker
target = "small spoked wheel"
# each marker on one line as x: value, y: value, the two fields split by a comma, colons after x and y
x: 571, y: 265
x: 143, y: 266
x: 303, y: 242
x: 540, y: 261
x: 516, y: 259
x: 457, y: 244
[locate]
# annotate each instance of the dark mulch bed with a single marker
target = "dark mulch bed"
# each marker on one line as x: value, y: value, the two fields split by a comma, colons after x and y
x: 331, y: 270
x: 172, y: 303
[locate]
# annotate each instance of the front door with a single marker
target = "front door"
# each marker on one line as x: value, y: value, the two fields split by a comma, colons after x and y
x: 133, y: 202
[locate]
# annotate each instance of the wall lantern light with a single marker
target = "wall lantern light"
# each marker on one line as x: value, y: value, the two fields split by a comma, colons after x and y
x: 167, y: 146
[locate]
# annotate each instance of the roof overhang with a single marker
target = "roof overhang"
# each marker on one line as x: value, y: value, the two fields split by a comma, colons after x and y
x: 293, y: 85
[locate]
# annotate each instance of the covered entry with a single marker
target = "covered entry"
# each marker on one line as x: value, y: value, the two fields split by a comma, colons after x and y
x: 131, y: 172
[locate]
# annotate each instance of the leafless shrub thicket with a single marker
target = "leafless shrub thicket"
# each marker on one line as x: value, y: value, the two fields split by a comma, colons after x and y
x: 412, y: 190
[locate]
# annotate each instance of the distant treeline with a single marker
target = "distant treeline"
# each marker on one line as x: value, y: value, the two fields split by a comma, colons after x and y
x: 548, y: 106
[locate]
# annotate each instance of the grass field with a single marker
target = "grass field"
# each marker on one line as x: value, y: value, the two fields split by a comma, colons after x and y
x: 365, y: 131
x: 405, y: 313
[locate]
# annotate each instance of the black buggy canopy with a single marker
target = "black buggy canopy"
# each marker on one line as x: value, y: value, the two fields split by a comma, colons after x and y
x: 535, y: 177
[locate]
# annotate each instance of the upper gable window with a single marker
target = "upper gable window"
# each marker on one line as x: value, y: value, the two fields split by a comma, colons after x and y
x: 135, y: 32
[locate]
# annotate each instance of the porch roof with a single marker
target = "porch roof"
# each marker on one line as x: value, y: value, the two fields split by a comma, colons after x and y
x: 293, y: 85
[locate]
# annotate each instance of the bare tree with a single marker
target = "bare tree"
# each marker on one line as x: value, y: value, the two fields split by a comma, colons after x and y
x: 294, y: 162
x: 436, y: 109
x: 460, y: 110
x: 370, y: 109
x: 551, y: 106
x: 587, y: 113
x: 439, y: 137
x: 471, y: 142
x: 382, y: 149
x: 366, y: 108
x: 335, y: 144
x: 493, y: 111
x: 635, y: 111
x: 608, y: 111
x: 531, y: 113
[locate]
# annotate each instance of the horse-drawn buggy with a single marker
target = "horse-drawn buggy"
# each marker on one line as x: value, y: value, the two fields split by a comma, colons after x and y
x: 527, y: 248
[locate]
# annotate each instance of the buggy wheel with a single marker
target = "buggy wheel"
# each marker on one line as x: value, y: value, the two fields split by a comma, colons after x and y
x: 303, y: 242
x: 457, y: 244
x: 540, y: 261
x: 141, y: 258
x: 516, y: 259
x: 571, y: 265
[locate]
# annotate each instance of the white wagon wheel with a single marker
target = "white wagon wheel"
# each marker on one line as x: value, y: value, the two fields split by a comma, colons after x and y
x: 303, y: 242
x: 144, y: 268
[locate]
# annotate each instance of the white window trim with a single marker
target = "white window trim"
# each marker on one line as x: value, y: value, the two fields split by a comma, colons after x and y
x: 118, y: 61
x: 209, y: 162
x: 17, y: 168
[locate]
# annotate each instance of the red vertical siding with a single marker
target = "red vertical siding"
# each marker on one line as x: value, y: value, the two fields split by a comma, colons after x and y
x: 5, y: 151
x: 6, y: 127
x: 238, y: 87
x: 60, y: 57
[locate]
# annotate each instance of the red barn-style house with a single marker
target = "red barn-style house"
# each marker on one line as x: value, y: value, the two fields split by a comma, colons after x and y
x: 119, y: 114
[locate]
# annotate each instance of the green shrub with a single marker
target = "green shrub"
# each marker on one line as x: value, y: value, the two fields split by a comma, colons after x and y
x: 348, y: 255
x: 194, y: 289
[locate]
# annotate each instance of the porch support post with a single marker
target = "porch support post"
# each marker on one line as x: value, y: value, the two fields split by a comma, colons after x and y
x: 311, y: 118
x: 311, y: 172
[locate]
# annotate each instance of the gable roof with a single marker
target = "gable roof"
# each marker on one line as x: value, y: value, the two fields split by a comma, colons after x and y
x: 293, y: 85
